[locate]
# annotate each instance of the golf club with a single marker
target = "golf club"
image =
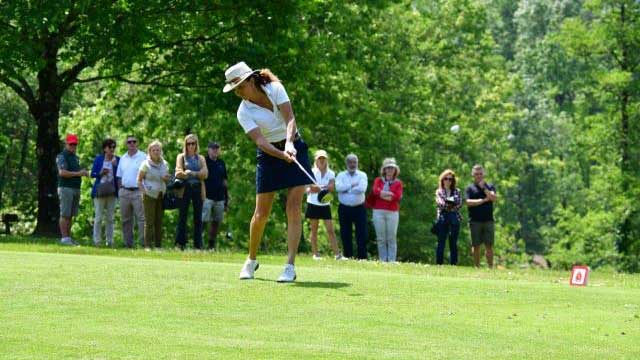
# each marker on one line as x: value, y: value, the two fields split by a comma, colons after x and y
x: 324, y: 196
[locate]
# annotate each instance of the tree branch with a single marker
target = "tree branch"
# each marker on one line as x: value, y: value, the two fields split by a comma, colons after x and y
x: 18, y: 90
x: 22, y: 88
x: 160, y: 84
x: 70, y: 75
x: 192, y: 40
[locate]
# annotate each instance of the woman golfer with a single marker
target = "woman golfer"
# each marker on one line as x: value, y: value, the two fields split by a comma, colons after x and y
x: 266, y: 116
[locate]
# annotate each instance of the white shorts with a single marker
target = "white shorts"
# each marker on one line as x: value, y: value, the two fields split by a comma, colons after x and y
x: 212, y: 211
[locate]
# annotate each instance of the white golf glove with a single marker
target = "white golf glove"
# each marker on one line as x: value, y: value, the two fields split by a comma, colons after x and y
x: 290, y: 148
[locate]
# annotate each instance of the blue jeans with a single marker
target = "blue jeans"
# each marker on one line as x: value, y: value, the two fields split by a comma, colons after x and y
x: 448, y: 225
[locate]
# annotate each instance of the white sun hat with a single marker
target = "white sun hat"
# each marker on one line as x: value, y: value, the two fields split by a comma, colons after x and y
x: 236, y: 74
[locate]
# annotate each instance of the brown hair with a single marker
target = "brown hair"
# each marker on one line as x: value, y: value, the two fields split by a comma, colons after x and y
x: 445, y: 174
x: 263, y: 77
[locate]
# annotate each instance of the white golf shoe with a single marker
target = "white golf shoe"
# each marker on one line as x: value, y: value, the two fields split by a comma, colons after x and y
x: 248, y: 269
x: 288, y: 275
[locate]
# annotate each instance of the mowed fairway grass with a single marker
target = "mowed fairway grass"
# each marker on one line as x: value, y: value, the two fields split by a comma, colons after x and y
x: 82, y: 302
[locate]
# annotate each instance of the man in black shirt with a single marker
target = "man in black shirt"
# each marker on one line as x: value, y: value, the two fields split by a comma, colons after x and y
x: 217, y: 201
x: 480, y: 199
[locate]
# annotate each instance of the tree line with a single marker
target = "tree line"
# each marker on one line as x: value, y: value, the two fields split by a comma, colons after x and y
x: 546, y: 94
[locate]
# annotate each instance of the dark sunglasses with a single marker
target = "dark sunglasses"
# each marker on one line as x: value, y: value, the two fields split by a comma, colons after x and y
x: 132, y: 141
x: 190, y: 143
x: 112, y: 146
x: 448, y: 179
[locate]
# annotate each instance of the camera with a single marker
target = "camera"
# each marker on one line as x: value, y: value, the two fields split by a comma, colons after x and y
x: 450, y: 200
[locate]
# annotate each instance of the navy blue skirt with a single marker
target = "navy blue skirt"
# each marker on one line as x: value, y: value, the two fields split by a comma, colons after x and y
x: 274, y: 174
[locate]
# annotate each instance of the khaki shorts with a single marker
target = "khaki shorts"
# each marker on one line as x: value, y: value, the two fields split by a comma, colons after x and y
x: 212, y: 211
x: 482, y: 233
x: 69, y: 201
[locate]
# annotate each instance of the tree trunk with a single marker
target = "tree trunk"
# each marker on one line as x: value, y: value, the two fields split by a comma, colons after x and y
x: 46, y: 112
x: 47, y: 147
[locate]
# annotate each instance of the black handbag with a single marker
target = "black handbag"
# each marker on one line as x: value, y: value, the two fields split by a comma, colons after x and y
x: 435, y: 226
x: 170, y: 201
x: 175, y: 184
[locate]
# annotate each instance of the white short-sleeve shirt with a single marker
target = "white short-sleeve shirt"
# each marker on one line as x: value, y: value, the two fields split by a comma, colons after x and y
x: 128, y: 168
x: 271, y: 123
x: 312, y: 198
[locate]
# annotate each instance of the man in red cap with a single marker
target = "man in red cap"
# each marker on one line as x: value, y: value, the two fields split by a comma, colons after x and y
x: 69, y: 179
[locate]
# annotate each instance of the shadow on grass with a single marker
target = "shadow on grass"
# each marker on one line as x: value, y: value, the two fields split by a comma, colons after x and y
x: 313, y: 284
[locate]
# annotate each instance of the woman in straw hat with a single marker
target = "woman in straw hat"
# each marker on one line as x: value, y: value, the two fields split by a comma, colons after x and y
x: 387, y: 192
x: 266, y: 116
x: 318, y: 210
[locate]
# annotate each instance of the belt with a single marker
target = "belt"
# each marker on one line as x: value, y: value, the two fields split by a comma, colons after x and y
x: 351, y: 206
x: 280, y: 144
x: 130, y: 188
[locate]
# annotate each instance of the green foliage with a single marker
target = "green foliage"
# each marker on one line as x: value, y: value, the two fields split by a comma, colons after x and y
x: 545, y: 92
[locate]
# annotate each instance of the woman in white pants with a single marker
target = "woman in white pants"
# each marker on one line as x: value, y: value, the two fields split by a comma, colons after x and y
x: 387, y: 193
x: 104, y: 191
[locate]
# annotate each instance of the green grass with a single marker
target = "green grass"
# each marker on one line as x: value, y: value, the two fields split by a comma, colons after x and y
x: 62, y: 302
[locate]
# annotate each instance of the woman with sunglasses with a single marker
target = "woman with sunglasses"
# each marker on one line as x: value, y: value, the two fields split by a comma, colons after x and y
x: 192, y: 168
x: 266, y: 116
x: 104, y: 191
x: 448, y: 201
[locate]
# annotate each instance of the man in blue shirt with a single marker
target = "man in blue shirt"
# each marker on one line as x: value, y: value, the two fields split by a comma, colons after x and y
x: 217, y: 201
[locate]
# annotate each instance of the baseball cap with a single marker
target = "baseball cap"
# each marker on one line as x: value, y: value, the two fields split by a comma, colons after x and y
x: 71, y: 139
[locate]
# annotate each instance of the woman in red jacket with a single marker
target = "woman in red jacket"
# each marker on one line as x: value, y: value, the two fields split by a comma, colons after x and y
x: 387, y: 192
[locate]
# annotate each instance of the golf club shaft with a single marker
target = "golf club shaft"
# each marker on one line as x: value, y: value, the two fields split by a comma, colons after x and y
x: 305, y: 171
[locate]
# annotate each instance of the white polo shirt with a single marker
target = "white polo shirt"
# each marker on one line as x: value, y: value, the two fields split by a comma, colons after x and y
x: 348, y: 195
x: 128, y: 168
x: 271, y: 123
x: 312, y: 198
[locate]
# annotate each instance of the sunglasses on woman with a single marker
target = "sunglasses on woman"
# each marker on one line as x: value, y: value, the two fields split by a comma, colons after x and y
x: 448, y: 179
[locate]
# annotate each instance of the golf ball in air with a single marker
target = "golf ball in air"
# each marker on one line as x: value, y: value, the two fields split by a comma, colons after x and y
x: 455, y: 129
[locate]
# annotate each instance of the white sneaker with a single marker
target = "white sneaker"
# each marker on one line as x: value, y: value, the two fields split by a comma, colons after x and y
x: 339, y: 257
x: 288, y: 275
x: 66, y: 241
x: 248, y: 269
x: 316, y: 257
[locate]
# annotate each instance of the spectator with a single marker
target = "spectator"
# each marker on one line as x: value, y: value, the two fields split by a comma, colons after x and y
x: 69, y: 180
x: 129, y: 194
x: 480, y: 199
x: 387, y: 192
x: 217, y: 201
x: 448, y: 202
x: 104, y: 191
x: 192, y: 168
x: 152, y: 181
x: 266, y: 116
x: 351, y: 185
x: 317, y: 210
